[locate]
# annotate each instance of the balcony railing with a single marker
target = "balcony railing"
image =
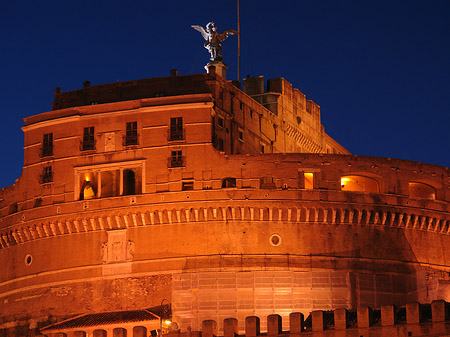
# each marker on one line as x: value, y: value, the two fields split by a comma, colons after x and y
x: 176, y: 161
x: 175, y: 134
x: 46, y: 151
x: 130, y: 139
x: 87, y: 145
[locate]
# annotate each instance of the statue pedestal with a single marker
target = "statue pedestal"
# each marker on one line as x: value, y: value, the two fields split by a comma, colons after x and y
x: 220, y: 68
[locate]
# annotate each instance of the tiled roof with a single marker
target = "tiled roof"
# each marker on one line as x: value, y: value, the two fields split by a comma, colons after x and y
x: 104, y: 318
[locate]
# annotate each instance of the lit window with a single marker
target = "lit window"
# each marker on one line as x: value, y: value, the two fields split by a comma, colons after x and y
x: 88, y: 189
x: 176, y: 128
x: 88, y: 139
x: 131, y: 136
x: 309, y: 180
x: 421, y: 190
x: 47, y: 145
x: 359, y: 184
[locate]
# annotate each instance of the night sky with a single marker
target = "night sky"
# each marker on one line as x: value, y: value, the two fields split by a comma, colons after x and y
x: 380, y: 70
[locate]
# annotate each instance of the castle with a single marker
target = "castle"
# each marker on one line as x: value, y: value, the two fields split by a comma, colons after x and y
x: 186, y: 192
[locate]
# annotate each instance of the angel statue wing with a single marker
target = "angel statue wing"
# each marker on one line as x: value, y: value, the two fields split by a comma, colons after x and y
x: 201, y: 30
x: 227, y: 33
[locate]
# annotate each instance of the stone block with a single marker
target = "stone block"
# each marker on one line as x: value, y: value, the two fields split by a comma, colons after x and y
x: 365, y: 317
x: 252, y: 326
x: 230, y: 327
x: 296, y: 322
x: 438, y: 311
x: 209, y: 328
x: 413, y: 313
x: 274, y: 325
x: 387, y: 315
x: 341, y: 318
x: 318, y: 321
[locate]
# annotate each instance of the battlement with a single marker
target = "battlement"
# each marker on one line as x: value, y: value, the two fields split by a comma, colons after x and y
x: 414, y: 319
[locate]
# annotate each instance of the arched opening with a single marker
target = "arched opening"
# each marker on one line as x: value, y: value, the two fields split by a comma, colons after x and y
x: 119, y: 332
x: 421, y: 190
x: 139, y: 331
x: 88, y: 186
x: 99, y: 333
x: 358, y: 183
x: 129, y: 182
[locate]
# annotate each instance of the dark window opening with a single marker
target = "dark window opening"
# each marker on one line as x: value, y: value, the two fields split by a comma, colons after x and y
x: 88, y: 139
x: 220, y: 145
x: 38, y: 202
x: 129, y: 182
x: 47, y: 145
x: 241, y: 135
x: 228, y: 182
x: 47, y: 175
x: 187, y: 185
x: 131, y: 136
x: 176, y: 159
x: 13, y: 208
x: 262, y: 148
x: 220, y: 121
x: 267, y: 182
x: 176, y: 128
x: 221, y: 94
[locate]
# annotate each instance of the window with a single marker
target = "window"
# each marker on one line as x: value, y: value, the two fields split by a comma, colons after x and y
x: 187, y: 185
x: 220, y: 121
x: 309, y: 180
x: 241, y: 134
x: 221, y: 93
x: 47, y: 145
x: 228, y: 182
x: 220, y: 145
x: 267, y: 182
x: 176, y: 159
x: 421, y: 190
x: 131, y: 136
x: 88, y: 139
x: 129, y: 182
x: 47, y: 175
x: 176, y: 128
x: 359, y: 184
x: 262, y: 149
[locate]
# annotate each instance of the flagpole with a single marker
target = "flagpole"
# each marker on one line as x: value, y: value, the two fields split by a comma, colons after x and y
x: 239, y: 45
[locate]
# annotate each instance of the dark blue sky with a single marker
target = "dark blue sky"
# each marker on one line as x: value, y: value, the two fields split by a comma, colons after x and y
x: 379, y: 69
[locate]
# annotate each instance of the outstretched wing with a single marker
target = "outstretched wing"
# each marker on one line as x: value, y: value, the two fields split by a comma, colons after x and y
x: 201, y: 30
x: 227, y: 33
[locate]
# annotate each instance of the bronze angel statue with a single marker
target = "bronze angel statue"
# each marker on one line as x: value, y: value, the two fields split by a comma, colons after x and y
x: 214, y: 39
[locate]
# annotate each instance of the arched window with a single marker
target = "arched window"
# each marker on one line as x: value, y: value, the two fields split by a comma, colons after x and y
x: 359, y: 184
x: 421, y: 190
